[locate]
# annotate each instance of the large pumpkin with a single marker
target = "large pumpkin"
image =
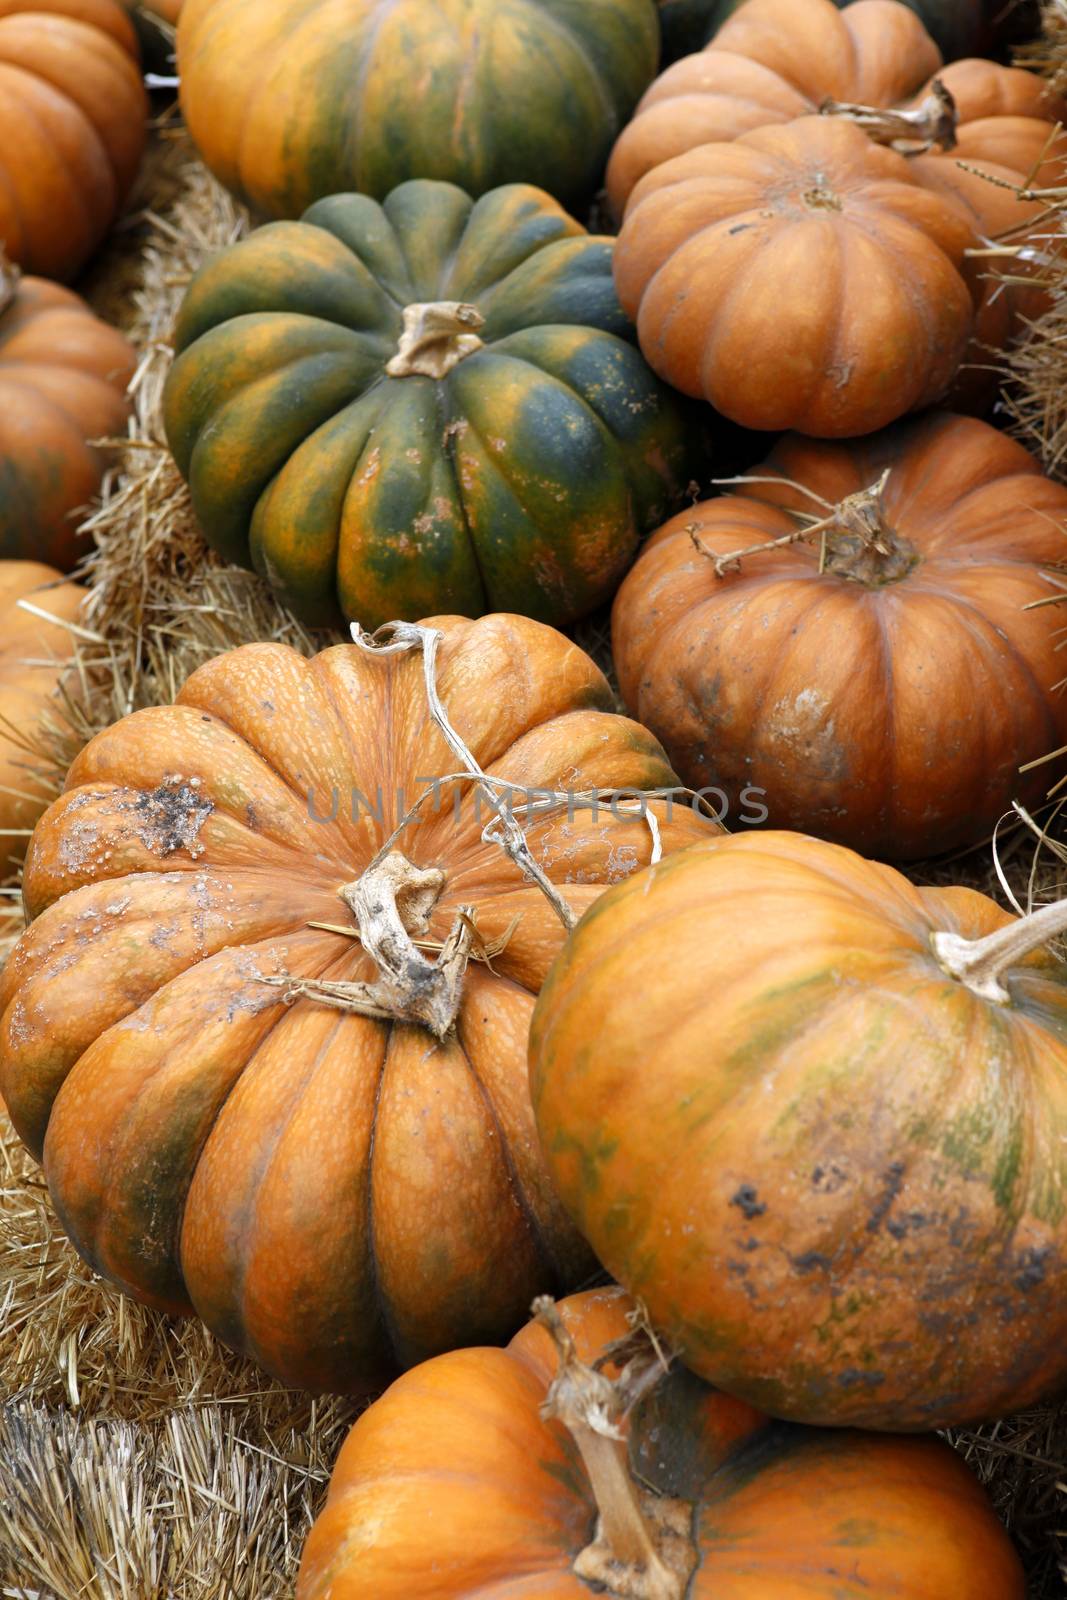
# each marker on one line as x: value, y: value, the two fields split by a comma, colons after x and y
x: 775, y: 60
x: 958, y: 27
x: 798, y: 277
x: 882, y: 681
x: 457, y: 1484
x: 36, y: 668
x: 427, y: 405
x: 818, y: 1123
x: 63, y: 377
x: 72, y: 128
x: 289, y: 101
x: 329, y: 1155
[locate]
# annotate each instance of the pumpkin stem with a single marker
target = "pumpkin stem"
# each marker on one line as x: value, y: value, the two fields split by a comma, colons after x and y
x: 856, y: 540
x: 391, y: 902
x: 437, y: 335
x: 933, y: 122
x: 643, y: 1549
x: 978, y: 963
x: 9, y: 281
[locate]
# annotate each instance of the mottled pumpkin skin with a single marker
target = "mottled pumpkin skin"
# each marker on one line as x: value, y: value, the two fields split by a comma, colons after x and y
x: 892, y: 715
x: 843, y: 1189
x: 73, y: 114
x: 522, y: 481
x: 334, y: 1195
x: 799, y: 276
x: 453, y: 1485
x: 289, y: 101
x: 36, y: 663
x: 63, y: 377
x: 958, y: 27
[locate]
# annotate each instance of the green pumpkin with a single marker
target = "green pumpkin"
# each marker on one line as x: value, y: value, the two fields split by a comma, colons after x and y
x: 292, y: 100
x: 430, y: 405
x: 960, y: 27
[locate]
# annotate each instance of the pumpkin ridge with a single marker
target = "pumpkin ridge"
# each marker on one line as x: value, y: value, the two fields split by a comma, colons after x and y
x: 351, y: 160
x: 107, y: 51
x: 28, y: 111
x: 542, y: 14
x: 522, y: 1199
x: 61, y: 413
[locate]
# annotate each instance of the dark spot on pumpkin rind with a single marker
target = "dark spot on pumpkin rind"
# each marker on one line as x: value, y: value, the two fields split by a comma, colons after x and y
x: 829, y: 1179
x: 893, y: 1179
x: 1032, y: 1268
x: 170, y: 817
x: 856, y: 1378
x: 911, y: 1222
x: 750, y: 1244
x: 747, y: 1201
x: 811, y: 1261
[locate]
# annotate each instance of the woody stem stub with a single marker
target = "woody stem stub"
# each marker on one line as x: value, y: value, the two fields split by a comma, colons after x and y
x: 436, y: 336
x: 979, y: 963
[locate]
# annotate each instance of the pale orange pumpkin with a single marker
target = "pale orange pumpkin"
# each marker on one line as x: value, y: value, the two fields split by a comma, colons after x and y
x: 528, y: 1474
x: 328, y: 1154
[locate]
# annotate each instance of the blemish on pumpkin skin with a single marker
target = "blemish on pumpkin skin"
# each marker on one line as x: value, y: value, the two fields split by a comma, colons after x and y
x: 747, y: 1201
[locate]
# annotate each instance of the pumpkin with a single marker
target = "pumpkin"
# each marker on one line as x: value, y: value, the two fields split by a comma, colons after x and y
x: 775, y: 60
x: 327, y: 1153
x: 63, y: 377
x: 958, y: 27
x: 840, y: 1193
x: 427, y: 405
x: 72, y: 128
x: 289, y: 101
x: 798, y: 277
x: 35, y: 669
x: 880, y: 681
x: 528, y: 1471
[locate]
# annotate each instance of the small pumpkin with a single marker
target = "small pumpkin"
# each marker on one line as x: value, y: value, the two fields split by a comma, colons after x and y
x: 799, y: 276
x: 63, y: 377
x: 73, y: 115
x: 528, y: 1471
x: 36, y: 667
x: 289, y: 101
x: 840, y: 1192
x: 422, y: 406
x: 328, y: 1154
x: 775, y: 60
x: 958, y: 27
x: 881, y: 680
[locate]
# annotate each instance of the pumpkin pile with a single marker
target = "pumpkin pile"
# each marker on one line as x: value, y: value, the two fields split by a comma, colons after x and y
x: 386, y: 987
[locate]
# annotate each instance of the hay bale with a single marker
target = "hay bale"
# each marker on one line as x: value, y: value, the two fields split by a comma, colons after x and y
x: 138, y: 1458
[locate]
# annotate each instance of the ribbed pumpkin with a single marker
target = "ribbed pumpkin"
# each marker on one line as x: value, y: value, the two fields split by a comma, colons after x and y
x: 775, y: 60
x: 958, y: 27
x: 36, y: 666
x: 455, y: 1484
x: 427, y: 405
x: 885, y: 686
x: 63, y: 377
x: 817, y: 1121
x: 232, y: 1117
x: 72, y: 128
x: 800, y: 276
x: 292, y: 100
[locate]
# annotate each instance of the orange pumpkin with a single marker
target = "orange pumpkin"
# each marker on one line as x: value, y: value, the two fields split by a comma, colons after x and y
x: 824, y: 1137
x: 798, y: 277
x: 63, y: 377
x: 328, y: 1154
x: 73, y: 117
x: 776, y: 60
x: 884, y: 688
x: 455, y: 1484
x: 35, y: 666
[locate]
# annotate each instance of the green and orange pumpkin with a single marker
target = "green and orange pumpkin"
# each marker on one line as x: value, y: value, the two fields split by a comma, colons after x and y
x: 815, y: 1117
x: 423, y: 406
x: 292, y: 100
